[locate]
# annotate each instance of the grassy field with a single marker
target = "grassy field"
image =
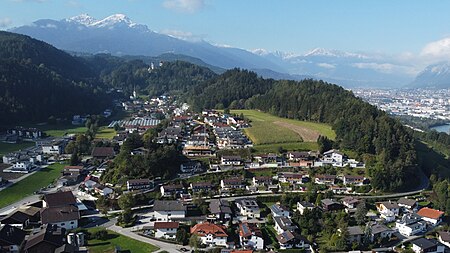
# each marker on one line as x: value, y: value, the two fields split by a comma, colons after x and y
x: 273, y: 148
x: 61, y: 130
x: 267, y: 128
x: 126, y: 244
x: 106, y: 133
x: 30, y: 184
x: 6, y: 148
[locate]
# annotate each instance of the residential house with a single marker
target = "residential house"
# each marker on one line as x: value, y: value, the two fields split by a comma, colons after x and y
x: 353, y: 180
x: 292, y: 178
x: 23, y: 217
x: 303, y: 205
x: 140, y: 184
x: 171, y: 189
x: 232, y: 183
x: 262, y: 180
x: 231, y: 160
x: 168, y: 210
x: 325, y: 179
x: 410, y: 224
x: 355, y: 234
x: 221, y: 209
x: 210, y: 234
x: 430, y: 215
x: 166, y: 230
x: 54, y: 148
x: 11, y: 238
x: 61, y: 209
x: 102, y: 153
x: 408, y: 204
x: 48, y: 239
x: 191, y: 167
x: 191, y: 151
x: 283, y: 224
x: 250, y: 236
x: 350, y: 202
x: 423, y: 245
x: 289, y: 240
x: 444, y: 238
x: 388, y: 210
x: 22, y: 167
x: 297, y: 156
x: 334, y: 155
x: 380, y: 231
x: 279, y: 210
x: 248, y: 208
x: 205, y: 187
x: 331, y: 205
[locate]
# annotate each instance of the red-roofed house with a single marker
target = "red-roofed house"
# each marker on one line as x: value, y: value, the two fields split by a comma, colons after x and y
x: 210, y: 234
x: 431, y: 215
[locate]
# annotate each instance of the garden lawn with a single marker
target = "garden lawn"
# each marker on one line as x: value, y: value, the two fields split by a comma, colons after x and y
x: 106, y: 133
x: 274, y: 147
x: 29, y: 185
x: 126, y: 244
x: 61, y: 130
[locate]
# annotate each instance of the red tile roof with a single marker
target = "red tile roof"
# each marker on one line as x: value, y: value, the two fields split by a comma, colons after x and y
x: 430, y: 213
x: 163, y: 225
x: 203, y: 229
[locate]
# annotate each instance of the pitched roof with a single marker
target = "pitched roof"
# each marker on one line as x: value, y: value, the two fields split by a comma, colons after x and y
x: 355, y: 230
x: 217, y: 206
x: 430, y: 213
x: 376, y: 229
x: 205, y: 228
x: 168, y: 205
x: 445, y: 236
x: 164, y: 225
x: 103, y: 152
x: 425, y: 243
x: 50, y: 234
x: 59, y: 214
x: 249, y: 229
x: 139, y: 181
x: 10, y: 235
x: 390, y: 204
x: 407, y: 202
x: 288, y: 236
x: 306, y: 204
x: 60, y: 199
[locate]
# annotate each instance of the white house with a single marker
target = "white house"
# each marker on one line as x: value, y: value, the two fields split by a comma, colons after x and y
x: 303, y: 205
x: 248, y: 207
x: 410, y: 224
x: 422, y: 245
x: 231, y: 160
x: 210, y: 234
x: 166, y: 230
x: 408, y: 204
x: 283, y: 224
x: 251, y: 236
x: 278, y: 210
x: 444, y: 238
x: 387, y: 209
x: 430, y: 215
x: 289, y: 240
x: 166, y: 210
x: 22, y: 167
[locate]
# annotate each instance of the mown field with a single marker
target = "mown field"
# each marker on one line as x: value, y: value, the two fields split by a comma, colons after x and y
x: 29, y: 185
x: 126, y: 244
x: 105, y: 133
x: 269, y: 132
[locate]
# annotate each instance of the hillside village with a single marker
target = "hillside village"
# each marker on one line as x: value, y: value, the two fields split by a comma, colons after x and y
x: 221, y: 197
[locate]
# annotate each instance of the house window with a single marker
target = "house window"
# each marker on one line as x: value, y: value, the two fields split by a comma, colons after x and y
x: 62, y: 224
x: 72, y: 222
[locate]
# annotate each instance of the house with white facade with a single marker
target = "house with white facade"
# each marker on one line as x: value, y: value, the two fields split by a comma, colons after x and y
x: 167, y: 210
x: 210, y: 234
x: 423, y: 245
x: 433, y: 216
x: 277, y: 210
x: 251, y: 236
x: 303, y: 205
x: 166, y: 229
x: 248, y: 208
x: 410, y: 224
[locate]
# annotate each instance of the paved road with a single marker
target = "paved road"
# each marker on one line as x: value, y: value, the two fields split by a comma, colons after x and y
x: 169, y: 247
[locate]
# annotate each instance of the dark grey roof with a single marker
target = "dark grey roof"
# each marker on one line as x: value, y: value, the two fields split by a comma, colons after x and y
x: 306, y: 204
x: 247, y: 202
x: 329, y: 202
x: 445, y: 236
x: 425, y: 243
x: 390, y: 204
x: 284, y: 223
x: 10, y: 235
x: 376, y: 229
x: 168, y: 205
x: 407, y: 202
x: 60, y: 199
x: 355, y: 230
x: 217, y: 206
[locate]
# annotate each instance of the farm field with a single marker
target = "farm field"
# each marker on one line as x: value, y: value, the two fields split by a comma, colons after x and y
x: 61, y: 130
x: 269, y: 132
x: 29, y: 185
x: 126, y: 244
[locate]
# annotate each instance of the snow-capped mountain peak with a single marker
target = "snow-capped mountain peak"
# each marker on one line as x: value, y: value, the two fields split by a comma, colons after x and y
x: 113, y: 20
x: 83, y: 19
x: 333, y: 53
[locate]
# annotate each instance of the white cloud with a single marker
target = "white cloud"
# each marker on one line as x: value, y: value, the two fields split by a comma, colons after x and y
x: 5, y: 22
x: 387, y: 68
x: 437, y: 49
x: 182, y: 35
x: 189, y: 6
x: 326, y: 65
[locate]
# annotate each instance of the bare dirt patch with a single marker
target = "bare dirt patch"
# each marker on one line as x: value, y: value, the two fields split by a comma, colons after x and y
x: 307, y: 134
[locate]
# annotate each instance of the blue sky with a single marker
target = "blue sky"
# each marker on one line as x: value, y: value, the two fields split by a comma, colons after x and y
x: 377, y: 26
